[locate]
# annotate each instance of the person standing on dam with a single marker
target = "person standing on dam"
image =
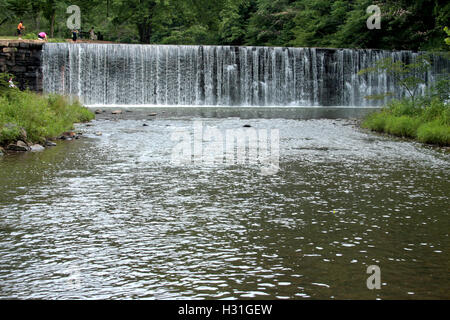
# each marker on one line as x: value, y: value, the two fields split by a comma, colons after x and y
x: 20, y: 29
x: 92, y: 35
x: 74, y: 35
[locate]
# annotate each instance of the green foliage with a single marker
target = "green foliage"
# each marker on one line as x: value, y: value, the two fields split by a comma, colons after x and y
x: 375, y: 122
x: 30, y: 36
x: 434, y: 133
x: 447, y: 40
x: 428, y: 123
x: 41, y: 116
x: 414, y: 25
x: 4, y: 83
x: 403, y: 126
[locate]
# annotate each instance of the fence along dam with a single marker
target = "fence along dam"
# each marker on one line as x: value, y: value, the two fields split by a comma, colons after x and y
x: 164, y: 75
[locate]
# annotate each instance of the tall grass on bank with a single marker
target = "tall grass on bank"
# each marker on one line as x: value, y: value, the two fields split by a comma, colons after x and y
x: 41, y: 116
x: 427, y: 120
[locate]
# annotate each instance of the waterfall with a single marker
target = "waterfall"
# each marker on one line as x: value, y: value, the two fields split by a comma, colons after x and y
x: 122, y: 74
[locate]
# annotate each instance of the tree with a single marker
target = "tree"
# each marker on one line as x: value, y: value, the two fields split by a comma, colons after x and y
x: 233, y: 21
x: 271, y: 23
x: 49, y: 10
x: 447, y: 40
x: 409, y: 76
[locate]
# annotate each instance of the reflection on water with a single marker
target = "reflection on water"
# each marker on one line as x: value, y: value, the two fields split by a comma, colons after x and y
x: 110, y: 217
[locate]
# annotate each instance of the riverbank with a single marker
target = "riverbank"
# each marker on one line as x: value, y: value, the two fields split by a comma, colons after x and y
x: 427, y: 122
x: 29, y: 121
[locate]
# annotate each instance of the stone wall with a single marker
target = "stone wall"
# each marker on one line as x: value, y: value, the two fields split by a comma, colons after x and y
x: 23, y: 60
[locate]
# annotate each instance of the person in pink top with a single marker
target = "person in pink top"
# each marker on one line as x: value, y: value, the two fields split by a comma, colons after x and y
x: 42, y: 36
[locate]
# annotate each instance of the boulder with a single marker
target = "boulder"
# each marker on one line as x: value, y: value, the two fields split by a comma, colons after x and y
x: 68, y: 136
x: 37, y: 148
x: 19, y: 146
x: 20, y: 143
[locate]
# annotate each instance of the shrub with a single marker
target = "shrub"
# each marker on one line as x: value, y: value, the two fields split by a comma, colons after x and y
x: 375, y: 122
x: 403, y: 126
x: 41, y: 116
x: 428, y: 123
x: 435, y: 110
x: 434, y: 133
x: 30, y: 36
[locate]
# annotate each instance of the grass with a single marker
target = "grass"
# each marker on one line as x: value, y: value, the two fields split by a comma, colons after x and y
x: 31, y: 36
x: 42, y: 117
x: 427, y: 121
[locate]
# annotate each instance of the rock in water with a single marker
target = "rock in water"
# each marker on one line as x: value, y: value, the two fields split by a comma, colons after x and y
x: 98, y: 134
x: 50, y: 144
x: 37, y: 148
x: 19, y: 146
x: 98, y: 111
x: 152, y: 114
x: 247, y: 126
x: 68, y: 136
x: 145, y: 125
x: 117, y: 112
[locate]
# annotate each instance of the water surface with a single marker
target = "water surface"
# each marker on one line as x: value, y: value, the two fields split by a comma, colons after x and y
x: 110, y: 217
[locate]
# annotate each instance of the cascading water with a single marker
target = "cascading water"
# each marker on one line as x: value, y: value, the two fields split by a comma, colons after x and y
x: 119, y: 74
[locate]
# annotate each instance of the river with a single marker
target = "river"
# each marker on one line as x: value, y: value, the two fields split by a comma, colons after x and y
x: 110, y: 216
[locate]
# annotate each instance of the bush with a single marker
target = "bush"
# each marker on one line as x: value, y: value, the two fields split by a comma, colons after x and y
x: 30, y: 36
x: 403, y: 126
x: 434, y: 133
x: 376, y: 122
x: 41, y: 116
x: 428, y: 122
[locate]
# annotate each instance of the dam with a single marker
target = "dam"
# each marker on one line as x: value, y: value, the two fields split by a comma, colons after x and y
x: 174, y: 75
